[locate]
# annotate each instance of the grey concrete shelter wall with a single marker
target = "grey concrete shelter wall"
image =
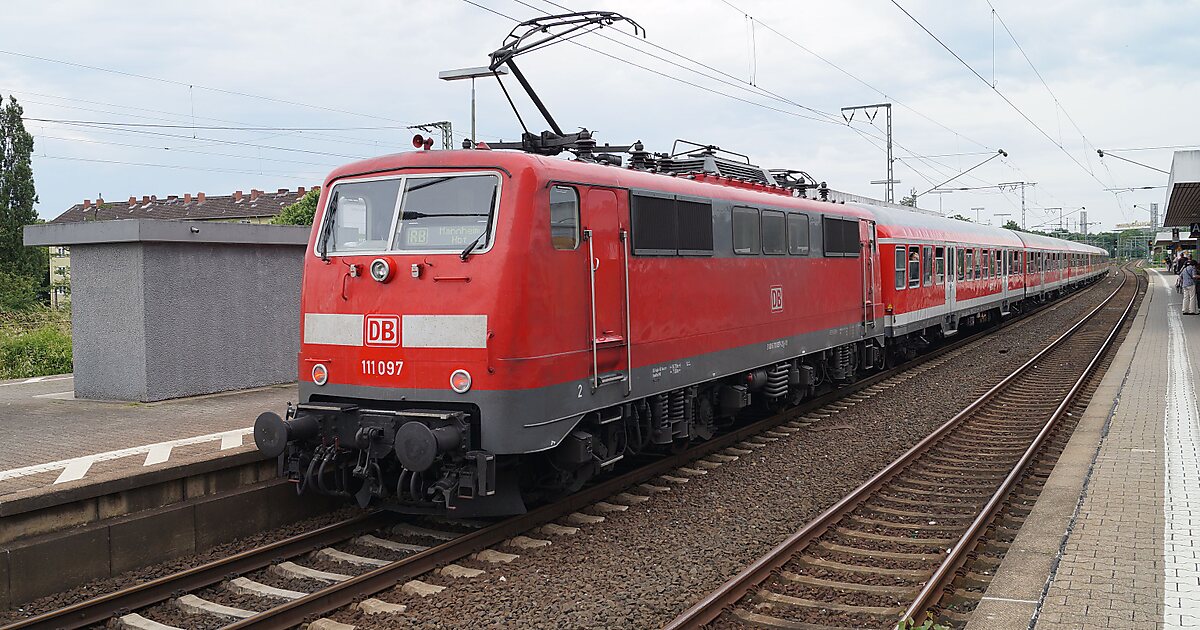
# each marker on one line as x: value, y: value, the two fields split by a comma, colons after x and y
x: 166, y: 309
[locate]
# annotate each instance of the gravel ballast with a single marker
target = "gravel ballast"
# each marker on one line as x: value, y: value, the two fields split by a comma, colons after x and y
x: 643, y: 566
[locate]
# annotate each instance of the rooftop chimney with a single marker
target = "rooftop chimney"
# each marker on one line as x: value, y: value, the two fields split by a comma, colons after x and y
x: 145, y: 199
x: 199, y: 197
x: 237, y: 196
x: 172, y: 197
x: 87, y: 203
x: 187, y: 197
x: 132, y: 200
x: 281, y: 191
x: 254, y: 193
x: 99, y: 201
x: 300, y: 191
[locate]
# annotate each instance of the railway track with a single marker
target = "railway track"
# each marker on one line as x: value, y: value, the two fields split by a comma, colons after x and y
x: 896, y: 547
x: 383, y: 553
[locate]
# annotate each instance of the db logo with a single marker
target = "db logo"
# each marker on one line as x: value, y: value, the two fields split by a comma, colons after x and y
x: 776, y: 299
x: 382, y: 330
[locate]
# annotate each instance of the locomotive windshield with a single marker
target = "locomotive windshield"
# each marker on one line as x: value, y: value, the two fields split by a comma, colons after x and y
x: 436, y: 213
x: 445, y: 213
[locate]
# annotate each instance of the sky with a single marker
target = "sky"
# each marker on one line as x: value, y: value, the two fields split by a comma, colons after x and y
x: 166, y: 98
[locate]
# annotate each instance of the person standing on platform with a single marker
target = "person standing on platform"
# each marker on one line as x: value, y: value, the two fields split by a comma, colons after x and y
x: 1187, y: 280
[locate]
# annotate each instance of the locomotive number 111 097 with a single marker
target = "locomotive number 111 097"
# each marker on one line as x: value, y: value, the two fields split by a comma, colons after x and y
x: 381, y: 368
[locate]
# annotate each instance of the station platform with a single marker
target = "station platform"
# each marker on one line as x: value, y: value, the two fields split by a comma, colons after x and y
x: 55, y: 442
x: 1111, y: 541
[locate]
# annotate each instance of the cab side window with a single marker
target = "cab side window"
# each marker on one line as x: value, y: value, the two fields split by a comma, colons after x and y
x: 745, y: 230
x: 774, y: 232
x: 564, y: 217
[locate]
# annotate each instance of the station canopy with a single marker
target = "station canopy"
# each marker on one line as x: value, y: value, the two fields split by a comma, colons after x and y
x: 1183, y: 190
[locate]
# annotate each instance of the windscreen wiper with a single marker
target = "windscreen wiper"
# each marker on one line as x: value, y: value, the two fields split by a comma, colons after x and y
x: 487, y: 229
x: 327, y: 229
x: 467, y: 252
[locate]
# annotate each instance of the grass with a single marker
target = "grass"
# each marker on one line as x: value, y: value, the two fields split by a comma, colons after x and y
x: 38, y: 348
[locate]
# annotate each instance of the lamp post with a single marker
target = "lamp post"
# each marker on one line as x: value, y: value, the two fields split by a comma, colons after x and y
x: 472, y: 74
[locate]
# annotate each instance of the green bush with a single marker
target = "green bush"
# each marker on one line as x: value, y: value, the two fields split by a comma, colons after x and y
x: 39, y: 352
x: 301, y: 212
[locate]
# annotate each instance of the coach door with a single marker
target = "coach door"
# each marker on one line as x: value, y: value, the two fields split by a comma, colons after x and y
x: 607, y: 243
x: 1005, y: 262
x: 951, y: 269
x: 870, y: 251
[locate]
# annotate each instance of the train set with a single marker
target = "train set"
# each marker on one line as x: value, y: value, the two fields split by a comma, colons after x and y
x: 482, y: 328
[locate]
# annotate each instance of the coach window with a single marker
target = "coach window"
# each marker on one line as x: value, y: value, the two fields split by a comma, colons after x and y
x: 774, y: 232
x: 986, y: 263
x: 978, y: 263
x: 961, y: 254
x: 914, y: 266
x: 900, y: 262
x: 797, y: 229
x: 745, y: 231
x: 927, y: 265
x: 940, y: 259
x: 564, y: 217
x: 970, y: 262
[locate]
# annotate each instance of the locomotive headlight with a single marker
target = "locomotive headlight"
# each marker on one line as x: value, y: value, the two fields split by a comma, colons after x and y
x: 320, y: 374
x: 381, y: 270
x: 460, y: 381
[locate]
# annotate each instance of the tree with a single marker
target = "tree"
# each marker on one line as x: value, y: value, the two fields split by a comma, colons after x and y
x: 1012, y: 225
x: 29, y: 265
x: 961, y: 218
x: 17, y: 293
x: 910, y: 199
x: 301, y: 212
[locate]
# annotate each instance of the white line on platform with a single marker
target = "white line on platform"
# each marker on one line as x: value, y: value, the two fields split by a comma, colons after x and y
x: 82, y: 464
x: 58, y: 395
x: 38, y: 379
x: 76, y: 469
x: 158, y: 454
x: 1181, y: 493
x: 1009, y: 599
x: 231, y: 440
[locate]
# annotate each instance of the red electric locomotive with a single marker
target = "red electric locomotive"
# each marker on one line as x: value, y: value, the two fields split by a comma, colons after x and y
x: 481, y: 326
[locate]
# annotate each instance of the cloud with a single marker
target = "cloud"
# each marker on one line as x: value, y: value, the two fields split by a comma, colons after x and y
x: 1123, y: 71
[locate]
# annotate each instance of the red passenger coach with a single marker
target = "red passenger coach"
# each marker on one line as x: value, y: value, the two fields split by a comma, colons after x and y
x: 485, y: 328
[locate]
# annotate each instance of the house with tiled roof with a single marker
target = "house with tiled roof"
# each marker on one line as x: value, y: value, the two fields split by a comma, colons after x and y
x: 254, y: 207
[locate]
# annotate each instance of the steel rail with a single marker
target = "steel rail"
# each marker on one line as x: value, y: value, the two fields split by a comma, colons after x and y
x: 957, y: 557
x: 99, y: 609
x: 712, y: 605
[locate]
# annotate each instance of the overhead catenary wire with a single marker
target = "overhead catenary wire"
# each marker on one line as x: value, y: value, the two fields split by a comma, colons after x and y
x: 168, y: 117
x: 114, y: 123
x: 222, y: 141
x: 200, y: 86
x: 300, y: 176
x: 999, y: 93
x: 185, y: 150
x: 738, y: 83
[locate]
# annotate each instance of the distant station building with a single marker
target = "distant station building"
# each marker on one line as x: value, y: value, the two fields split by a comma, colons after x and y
x: 254, y: 207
